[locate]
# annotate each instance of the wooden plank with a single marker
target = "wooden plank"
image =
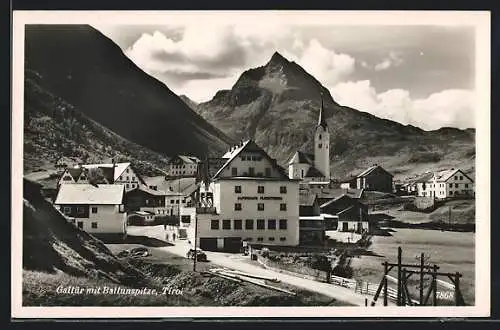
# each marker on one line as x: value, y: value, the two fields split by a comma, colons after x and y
x: 392, y: 279
x: 446, y: 284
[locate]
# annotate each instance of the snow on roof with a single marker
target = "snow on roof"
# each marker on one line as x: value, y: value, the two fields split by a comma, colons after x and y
x: 119, y: 168
x: 89, y: 194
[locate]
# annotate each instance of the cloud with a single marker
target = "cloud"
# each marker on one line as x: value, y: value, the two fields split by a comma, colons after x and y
x: 394, y: 59
x: 326, y: 65
x: 447, y: 108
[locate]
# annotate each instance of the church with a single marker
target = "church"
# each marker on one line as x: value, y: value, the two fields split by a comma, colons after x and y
x: 308, y: 167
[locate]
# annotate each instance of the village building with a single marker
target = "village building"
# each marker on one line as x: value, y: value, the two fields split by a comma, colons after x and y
x: 250, y: 198
x: 445, y: 184
x: 112, y: 173
x: 96, y: 209
x: 352, y: 215
x: 139, y: 218
x: 375, y: 178
x: 182, y: 166
x: 314, y: 167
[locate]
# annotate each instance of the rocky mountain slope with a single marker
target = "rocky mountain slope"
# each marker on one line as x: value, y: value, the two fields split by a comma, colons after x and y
x: 278, y: 105
x: 84, y: 68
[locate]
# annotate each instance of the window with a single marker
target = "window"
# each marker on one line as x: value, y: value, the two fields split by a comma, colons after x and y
x: 237, y: 189
x: 261, y: 224
x: 67, y: 210
x: 282, y: 239
x: 282, y: 207
x: 80, y: 210
x: 254, y: 158
x: 172, y: 201
x: 94, y: 225
x: 226, y: 224
x: 451, y: 192
x: 214, y: 224
x: 260, y: 189
x: 283, y: 190
x: 133, y: 178
x: 283, y: 224
x: 83, y: 177
x: 271, y: 224
x: 271, y: 239
x: 234, y: 171
x: 249, y: 224
x: 94, y: 209
x: 451, y: 185
x: 251, y: 171
x: 461, y: 177
x: 260, y: 207
x: 260, y: 239
x: 320, y: 145
x: 456, y: 177
x: 320, y: 136
x: 67, y: 178
x: 177, y: 201
x: 268, y: 171
x: 133, y: 185
x: 238, y: 224
x: 127, y: 185
x: 237, y: 206
x: 127, y: 170
x: 456, y: 185
x: 466, y: 185
x: 80, y: 224
x: 301, y: 173
x: 128, y: 178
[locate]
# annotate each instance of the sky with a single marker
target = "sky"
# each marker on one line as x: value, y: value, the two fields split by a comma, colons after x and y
x: 421, y: 75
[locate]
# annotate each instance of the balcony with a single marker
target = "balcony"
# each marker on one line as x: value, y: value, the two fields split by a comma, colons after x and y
x: 206, y: 210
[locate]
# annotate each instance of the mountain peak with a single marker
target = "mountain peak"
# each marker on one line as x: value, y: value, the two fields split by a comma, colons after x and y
x: 277, y: 58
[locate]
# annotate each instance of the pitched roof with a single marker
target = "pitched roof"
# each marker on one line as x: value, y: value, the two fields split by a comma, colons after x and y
x: 149, y: 191
x: 75, y: 172
x: 189, y: 159
x: 334, y: 193
x: 90, y: 194
x: 184, y: 186
x: 321, y: 118
x: 306, y: 198
x: 370, y: 170
x: 424, y: 178
x: 334, y: 200
x: 249, y: 146
x: 313, y: 172
x: 302, y: 158
x: 119, y: 168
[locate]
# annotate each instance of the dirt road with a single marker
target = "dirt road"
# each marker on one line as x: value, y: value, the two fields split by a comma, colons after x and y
x: 236, y: 262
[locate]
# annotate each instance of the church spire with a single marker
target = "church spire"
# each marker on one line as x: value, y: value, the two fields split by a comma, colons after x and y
x: 322, y: 119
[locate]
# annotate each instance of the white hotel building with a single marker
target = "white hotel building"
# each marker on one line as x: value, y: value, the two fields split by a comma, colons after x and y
x: 250, y: 198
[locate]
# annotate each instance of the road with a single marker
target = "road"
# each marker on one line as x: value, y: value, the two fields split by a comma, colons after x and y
x: 236, y: 262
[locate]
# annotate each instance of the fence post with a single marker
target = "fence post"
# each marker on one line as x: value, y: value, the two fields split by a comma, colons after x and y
x: 385, y: 283
x: 457, y: 289
x: 421, y: 300
x: 399, y: 277
x: 434, y: 285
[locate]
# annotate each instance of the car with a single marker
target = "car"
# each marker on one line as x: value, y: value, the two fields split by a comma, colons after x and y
x: 200, y: 255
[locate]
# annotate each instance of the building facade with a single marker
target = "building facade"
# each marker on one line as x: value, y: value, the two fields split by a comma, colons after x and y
x: 249, y: 199
x: 95, y: 209
x: 445, y: 184
x: 110, y: 173
x: 182, y: 166
x: 375, y: 178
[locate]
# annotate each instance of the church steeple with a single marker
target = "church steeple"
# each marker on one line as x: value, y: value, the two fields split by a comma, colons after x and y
x: 322, y: 119
x: 322, y: 144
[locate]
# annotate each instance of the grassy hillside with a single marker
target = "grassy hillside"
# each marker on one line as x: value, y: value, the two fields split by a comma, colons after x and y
x: 53, y: 128
x: 89, y: 71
